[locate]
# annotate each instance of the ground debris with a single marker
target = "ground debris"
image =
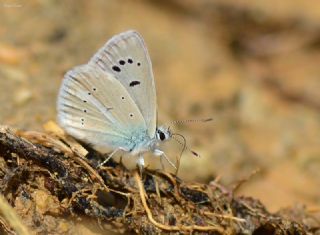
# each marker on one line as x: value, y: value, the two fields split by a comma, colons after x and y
x: 50, y: 184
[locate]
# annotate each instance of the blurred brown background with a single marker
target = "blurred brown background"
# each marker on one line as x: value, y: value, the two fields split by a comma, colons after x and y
x: 254, y: 66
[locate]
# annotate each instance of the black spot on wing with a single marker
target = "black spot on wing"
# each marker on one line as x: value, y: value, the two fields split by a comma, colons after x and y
x: 122, y: 62
x: 134, y: 83
x: 130, y: 61
x: 116, y: 68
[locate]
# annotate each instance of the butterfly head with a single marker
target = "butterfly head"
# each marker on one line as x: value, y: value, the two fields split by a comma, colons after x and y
x: 163, y: 133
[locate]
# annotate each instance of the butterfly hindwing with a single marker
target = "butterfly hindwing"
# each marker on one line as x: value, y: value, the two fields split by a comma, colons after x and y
x: 126, y: 57
x: 93, y: 106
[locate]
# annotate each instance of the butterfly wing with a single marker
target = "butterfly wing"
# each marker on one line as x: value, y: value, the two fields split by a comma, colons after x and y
x: 126, y: 57
x: 93, y: 106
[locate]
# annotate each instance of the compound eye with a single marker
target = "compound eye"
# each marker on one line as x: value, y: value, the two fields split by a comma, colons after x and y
x: 162, y: 136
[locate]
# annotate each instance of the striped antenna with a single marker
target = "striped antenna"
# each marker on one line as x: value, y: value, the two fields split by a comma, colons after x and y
x: 185, y: 147
x: 184, y: 144
x: 192, y: 121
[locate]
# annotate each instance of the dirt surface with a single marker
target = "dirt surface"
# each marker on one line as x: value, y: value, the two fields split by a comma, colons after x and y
x: 251, y: 65
x: 50, y: 184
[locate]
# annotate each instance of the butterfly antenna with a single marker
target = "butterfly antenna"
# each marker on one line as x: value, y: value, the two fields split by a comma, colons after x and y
x: 184, y: 144
x: 192, y: 121
x: 184, y: 147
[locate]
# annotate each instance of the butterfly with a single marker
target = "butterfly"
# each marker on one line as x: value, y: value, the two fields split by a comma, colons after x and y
x: 110, y: 102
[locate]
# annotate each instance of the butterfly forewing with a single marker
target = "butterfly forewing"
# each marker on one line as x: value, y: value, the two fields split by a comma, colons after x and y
x: 95, y: 107
x: 126, y: 57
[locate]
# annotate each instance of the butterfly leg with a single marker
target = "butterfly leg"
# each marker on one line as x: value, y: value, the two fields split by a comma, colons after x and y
x: 110, y: 156
x: 140, y: 163
x: 161, y: 154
